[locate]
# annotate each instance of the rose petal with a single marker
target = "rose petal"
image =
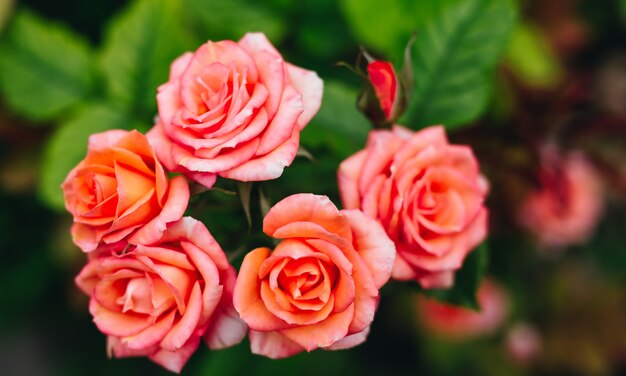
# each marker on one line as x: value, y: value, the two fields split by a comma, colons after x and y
x: 280, y: 129
x: 175, y: 360
x: 185, y: 327
x: 151, y: 335
x: 441, y: 280
x: 322, y: 334
x: 247, y: 295
x: 116, y: 348
x: 311, y: 87
x: 117, y: 324
x: 88, y: 278
x: 306, y: 207
x: 373, y: 245
x: 175, y: 206
x: 273, y: 345
x: 350, y: 340
x: 257, y: 42
x: 269, y: 166
x: 162, y: 146
x: 348, y: 177
x: 105, y: 139
x: 226, y: 328
x: 402, y: 270
x: 190, y: 229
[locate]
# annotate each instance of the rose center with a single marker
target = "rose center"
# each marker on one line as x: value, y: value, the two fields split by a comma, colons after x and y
x: 217, y: 93
x: 307, y: 278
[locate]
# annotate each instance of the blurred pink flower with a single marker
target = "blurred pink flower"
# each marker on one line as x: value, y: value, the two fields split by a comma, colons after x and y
x: 458, y: 323
x: 523, y: 343
x: 567, y: 206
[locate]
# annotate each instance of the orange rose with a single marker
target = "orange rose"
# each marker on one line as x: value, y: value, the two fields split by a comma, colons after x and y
x: 428, y: 195
x: 159, y: 299
x: 319, y: 287
x: 119, y: 189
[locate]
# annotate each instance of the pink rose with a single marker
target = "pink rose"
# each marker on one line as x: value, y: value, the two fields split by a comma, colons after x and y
x: 567, y: 206
x: 120, y: 189
x: 385, y: 83
x: 319, y: 287
x: 459, y: 323
x: 428, y: 195
x: 159, y: 299
x: 233, y: 109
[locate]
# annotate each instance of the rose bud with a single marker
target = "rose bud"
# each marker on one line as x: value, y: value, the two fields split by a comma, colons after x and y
x: 428, y: 195
x: 158, y: 300
x: 456, y: 323
x: 119, y: 190
x: 319, y: 287
x: 233, y: 109
x: 566, y: 207
x: 383, y: 79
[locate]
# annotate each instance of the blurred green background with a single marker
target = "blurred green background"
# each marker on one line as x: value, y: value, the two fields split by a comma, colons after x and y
x: 503, y: 76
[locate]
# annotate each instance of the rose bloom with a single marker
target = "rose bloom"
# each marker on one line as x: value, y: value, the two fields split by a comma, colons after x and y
x: 319, y: 287
x: 158, y: 300
x: 234, y: 109
x: 428, y: 195
x: 567, y: 206
x: 456, y: 323
x: 383, y: 79
x: 119, y: 189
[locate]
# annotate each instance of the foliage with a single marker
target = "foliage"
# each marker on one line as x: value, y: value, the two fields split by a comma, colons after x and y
x: 453, y: 60
x: 44, y: 68
x: 466, y: 281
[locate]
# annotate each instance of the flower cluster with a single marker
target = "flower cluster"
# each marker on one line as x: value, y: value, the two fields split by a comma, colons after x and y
x: 158, y: 281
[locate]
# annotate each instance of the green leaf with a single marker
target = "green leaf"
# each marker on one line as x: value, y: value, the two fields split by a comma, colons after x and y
x: 453, y: 59
x: 387, y: 26
x: 140, y: 45
x: 529, y: 55
x: 245, y: 190
x: 302, y: 152
x: 466, y: 281
x: 338, y: 124
x: 68, y: 145
x: 231, y: 19
x: 264, y: 203
x: 44, y: 67
x: 6, y: 9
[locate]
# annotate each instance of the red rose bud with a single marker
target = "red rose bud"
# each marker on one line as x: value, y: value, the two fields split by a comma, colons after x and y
x: 386, y: 91
x: 383, y: 79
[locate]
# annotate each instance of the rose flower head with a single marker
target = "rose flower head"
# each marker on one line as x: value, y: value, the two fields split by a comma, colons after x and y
x: 158, y: 300
x: 456, y: 323
x: 120, y: 189
x: 565, y: 209
x: 319, y: 287
x: 233, y: 109
x: 428, y: 195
